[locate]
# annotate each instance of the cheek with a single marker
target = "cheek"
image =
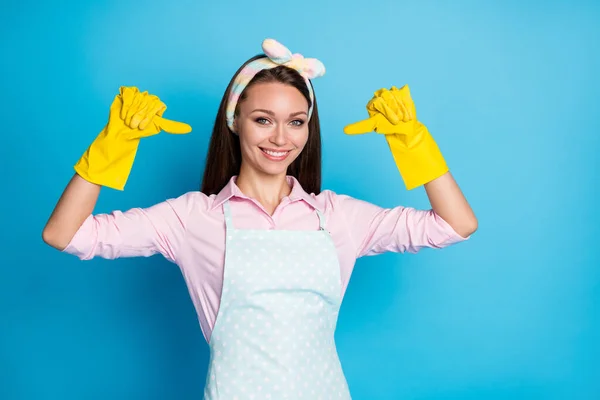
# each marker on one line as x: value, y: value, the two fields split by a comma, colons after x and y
x: 301, y: 140
x: 250, y: 137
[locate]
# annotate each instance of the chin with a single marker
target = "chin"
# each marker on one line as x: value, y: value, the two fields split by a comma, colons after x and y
x: 272, y: 170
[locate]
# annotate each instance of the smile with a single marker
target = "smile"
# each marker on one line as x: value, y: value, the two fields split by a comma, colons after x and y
x: 275, y: 155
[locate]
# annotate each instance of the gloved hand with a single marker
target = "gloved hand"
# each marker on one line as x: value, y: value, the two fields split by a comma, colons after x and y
x: 133, y: 115
x: 393, y: 113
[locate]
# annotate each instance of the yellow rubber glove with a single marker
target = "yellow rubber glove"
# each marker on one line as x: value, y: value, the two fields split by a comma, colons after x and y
x: 133, y: 115
x: 393, y: 114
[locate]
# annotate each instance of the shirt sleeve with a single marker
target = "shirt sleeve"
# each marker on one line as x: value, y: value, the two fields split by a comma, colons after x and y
x: 137, y: 232
x: 376, y: 230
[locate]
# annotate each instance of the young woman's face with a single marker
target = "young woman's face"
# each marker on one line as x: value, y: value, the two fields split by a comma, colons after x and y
x: 272, y: 124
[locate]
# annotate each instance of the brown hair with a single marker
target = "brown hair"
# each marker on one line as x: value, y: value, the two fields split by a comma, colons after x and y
x: 224, y: 156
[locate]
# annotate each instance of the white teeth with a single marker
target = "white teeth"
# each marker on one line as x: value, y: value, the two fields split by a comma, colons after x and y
x: 276, y: 153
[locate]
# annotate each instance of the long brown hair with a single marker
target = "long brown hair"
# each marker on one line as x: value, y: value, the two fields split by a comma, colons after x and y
x: 224, y: 157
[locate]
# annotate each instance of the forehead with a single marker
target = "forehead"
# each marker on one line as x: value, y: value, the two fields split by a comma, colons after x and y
x: 274, y: 95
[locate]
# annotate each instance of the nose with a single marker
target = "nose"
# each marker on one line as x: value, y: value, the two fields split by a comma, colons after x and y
x: 279, y: 136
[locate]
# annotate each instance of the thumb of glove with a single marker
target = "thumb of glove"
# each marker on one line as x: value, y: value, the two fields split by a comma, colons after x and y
x: 171, y: 126
x: 364, y: 126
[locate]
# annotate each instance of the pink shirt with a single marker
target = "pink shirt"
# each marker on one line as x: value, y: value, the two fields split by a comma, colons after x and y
x: 190, y: 232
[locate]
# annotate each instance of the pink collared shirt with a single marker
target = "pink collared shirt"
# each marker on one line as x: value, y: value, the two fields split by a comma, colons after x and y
x: 190, y: 232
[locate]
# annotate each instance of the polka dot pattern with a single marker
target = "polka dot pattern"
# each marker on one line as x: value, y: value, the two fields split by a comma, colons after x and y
x: 274, y: 333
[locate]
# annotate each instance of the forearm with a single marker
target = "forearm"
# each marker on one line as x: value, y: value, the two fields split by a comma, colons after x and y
x: 76, y: 203
x: 448, y: 201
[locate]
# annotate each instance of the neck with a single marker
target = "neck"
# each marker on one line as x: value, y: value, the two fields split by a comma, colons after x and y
x: 268, y: 190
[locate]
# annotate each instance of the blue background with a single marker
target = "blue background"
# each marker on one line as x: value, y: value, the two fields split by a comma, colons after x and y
x: 509, y: 91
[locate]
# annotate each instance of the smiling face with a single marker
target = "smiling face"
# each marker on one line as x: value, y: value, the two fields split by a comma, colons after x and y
x: 272, y: 124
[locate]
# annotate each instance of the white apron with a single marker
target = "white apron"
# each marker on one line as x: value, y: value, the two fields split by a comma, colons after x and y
x: 274, y: 333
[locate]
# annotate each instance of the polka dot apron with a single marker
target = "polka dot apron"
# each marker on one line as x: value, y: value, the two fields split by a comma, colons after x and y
x: 274, y: 333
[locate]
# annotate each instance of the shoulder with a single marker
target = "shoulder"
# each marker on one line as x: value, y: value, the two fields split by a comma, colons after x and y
x: 331, y: 201
x: 191, y: 202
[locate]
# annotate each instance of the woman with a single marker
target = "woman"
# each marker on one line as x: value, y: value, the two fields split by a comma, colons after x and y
x: 265, y: 253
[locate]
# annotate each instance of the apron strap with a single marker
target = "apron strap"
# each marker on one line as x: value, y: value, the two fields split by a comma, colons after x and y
x: 227, y: 213
x: 321, y: 220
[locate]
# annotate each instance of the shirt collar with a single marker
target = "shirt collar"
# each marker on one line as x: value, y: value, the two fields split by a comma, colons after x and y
x: 297, y: 194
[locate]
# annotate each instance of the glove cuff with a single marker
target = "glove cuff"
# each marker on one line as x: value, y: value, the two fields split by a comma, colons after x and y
x: 107, y: 164
x: 420, y: 164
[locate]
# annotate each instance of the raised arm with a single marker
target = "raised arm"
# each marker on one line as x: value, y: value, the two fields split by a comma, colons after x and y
x: 107, y: 162
x: 376, y: 230
x: 417, y: 156
x: 74, y: 206
x: 448, y: 201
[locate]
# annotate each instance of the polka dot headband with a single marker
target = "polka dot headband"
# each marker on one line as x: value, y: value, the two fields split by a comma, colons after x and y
x: 276, y: 55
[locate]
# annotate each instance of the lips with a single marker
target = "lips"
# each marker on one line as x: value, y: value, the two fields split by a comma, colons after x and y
x: 275, y: 155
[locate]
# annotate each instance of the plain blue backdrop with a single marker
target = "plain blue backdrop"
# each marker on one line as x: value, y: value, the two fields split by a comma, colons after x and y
x: 509, y: 90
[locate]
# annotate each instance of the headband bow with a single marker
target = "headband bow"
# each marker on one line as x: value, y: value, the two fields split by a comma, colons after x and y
x: 309, y: 68
x: 276, y: 55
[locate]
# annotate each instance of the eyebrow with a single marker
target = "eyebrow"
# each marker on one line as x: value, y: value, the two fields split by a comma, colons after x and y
x: 273, y: 114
